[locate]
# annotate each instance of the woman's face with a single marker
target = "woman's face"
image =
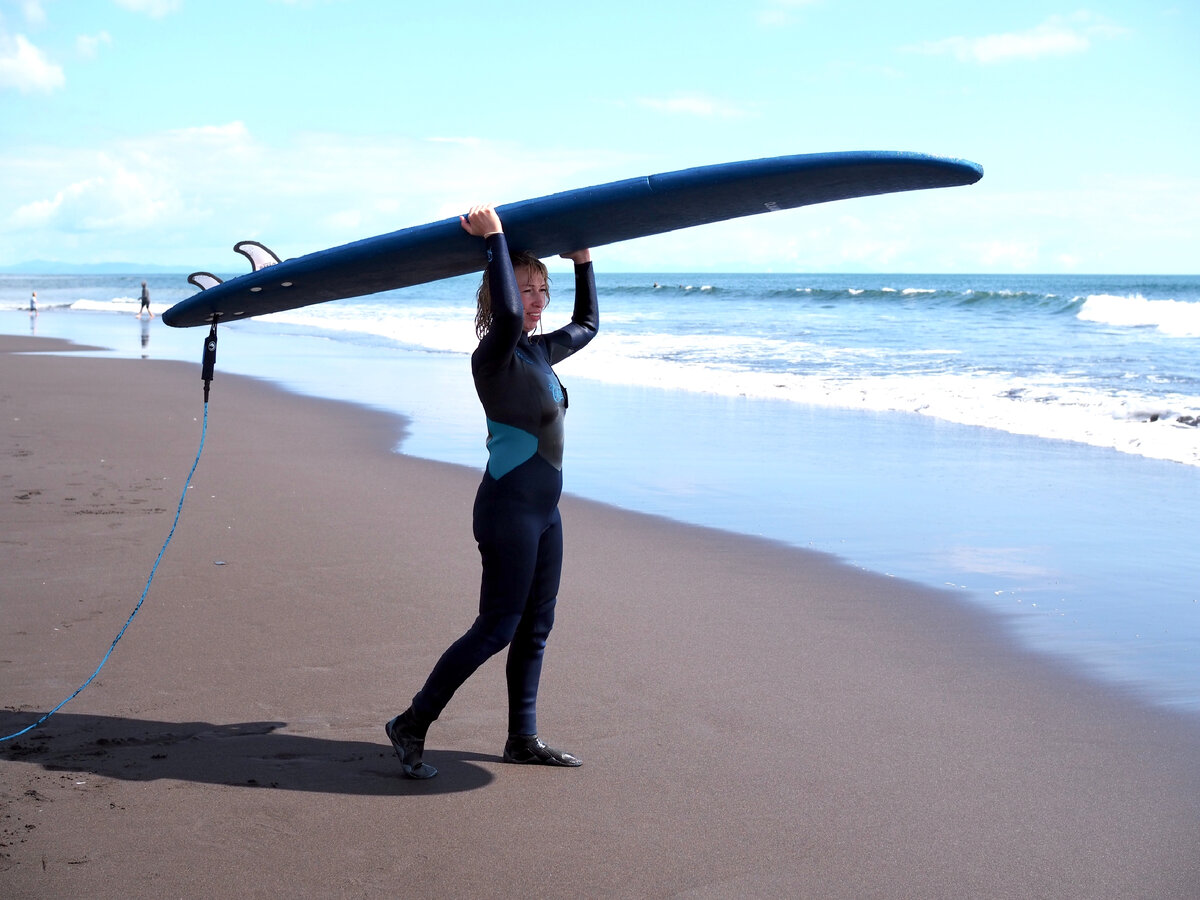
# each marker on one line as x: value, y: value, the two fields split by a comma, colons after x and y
x: 535, y: 295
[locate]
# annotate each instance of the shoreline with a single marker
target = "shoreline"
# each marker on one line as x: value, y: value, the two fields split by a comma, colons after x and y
x: 754, y: 718
x: 1083, y: 553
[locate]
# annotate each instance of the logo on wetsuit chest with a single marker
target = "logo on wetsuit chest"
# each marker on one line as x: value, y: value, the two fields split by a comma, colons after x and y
x: 552, y: 382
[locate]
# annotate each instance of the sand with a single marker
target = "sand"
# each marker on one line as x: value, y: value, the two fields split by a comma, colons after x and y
x: 754, y: 719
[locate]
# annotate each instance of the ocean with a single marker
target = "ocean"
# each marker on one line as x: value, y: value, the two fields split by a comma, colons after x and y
x: 1027, y: 441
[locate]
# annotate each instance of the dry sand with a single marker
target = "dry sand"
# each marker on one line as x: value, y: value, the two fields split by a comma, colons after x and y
x: 755, y: 720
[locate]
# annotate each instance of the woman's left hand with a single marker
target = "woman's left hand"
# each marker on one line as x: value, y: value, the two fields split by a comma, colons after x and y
x: 578, y: 256
x: 481, y: 221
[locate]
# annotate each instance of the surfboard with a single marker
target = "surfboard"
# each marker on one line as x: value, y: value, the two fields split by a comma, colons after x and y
x: 559, y: 223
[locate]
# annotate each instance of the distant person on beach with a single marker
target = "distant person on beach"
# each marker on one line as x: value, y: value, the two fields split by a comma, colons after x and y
x: 33, y: 303
x: 145, y: 307
x: 516, y: 520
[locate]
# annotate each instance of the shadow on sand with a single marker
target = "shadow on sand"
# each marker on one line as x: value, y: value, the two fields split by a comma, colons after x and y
x: 240, y: 754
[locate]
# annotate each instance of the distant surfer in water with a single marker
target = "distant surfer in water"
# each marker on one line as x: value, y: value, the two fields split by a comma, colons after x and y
x: 516, y: 520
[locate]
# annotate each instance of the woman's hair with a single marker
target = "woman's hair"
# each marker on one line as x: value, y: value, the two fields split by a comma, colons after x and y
x: 483, y: 297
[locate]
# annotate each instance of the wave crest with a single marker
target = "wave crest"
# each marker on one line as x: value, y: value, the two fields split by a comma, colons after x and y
x: 1173, y: 317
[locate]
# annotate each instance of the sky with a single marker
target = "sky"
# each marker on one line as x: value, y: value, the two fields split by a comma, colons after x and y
x: 163, y: 131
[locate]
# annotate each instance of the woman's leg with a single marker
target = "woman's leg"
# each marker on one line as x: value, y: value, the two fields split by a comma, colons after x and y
x: 508, y: 549
x: 528, y: 645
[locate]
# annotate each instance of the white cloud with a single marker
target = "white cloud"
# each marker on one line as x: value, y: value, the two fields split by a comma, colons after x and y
x: 1057, y: 36
x: 115, y: 198
x: 88, y: 45
x: 781, y: 12
x: 24, y: 67
x: 347, y: 219
x: 34, y: 14
x: 1108, y: 223
x: 154, y: 8
x: 183, y: 197
x: 234, y: 132
x: 1012, y: 255
x: 877, y: 245
x: 692, y: 105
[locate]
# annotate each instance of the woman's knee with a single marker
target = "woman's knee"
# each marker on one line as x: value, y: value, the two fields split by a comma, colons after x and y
x: 492, y: 633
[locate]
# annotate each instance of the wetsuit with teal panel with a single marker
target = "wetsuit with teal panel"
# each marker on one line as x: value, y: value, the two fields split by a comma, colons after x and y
x: 516, y: 521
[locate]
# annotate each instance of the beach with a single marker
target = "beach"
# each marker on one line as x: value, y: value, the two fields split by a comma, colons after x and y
x: 1021, y: 440
x: 755, y: 719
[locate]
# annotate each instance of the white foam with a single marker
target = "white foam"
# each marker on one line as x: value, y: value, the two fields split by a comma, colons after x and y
x: 441, y: 328
x: 1048, y: 407
x: 819, y: 374
x: 129, y: 305
x: 1172, y: 317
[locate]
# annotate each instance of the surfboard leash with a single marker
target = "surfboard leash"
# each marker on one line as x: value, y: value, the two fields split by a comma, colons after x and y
x: 209, y: 362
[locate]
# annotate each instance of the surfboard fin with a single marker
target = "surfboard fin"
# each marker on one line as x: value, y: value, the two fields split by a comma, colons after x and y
x: 204, y: 280
x: 260, y: 257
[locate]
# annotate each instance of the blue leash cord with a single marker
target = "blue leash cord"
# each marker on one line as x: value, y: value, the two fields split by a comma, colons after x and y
x: 145, y: 591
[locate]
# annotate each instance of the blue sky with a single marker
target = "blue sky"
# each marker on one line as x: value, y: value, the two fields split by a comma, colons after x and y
x: 162, y: 131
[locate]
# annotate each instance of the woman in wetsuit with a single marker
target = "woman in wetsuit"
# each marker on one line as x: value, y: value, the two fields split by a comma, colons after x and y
x: 516, y: 520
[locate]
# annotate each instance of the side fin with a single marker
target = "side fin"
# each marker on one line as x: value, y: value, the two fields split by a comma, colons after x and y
x: 204, y: 280
x: 260, y: 257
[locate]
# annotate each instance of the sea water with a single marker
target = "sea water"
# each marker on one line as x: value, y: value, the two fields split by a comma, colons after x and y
x: 1027, y: 440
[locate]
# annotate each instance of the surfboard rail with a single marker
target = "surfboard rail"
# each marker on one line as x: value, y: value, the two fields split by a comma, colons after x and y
x: 569, y: 220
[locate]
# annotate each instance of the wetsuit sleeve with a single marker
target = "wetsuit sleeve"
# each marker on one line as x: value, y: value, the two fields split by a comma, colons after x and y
x: 585, y: 320
x: 508, y: 313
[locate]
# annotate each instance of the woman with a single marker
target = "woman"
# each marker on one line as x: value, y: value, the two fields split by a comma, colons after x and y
x: 516, y: 520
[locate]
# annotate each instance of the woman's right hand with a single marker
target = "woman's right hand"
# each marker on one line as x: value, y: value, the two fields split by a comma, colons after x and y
x: 481, y: 221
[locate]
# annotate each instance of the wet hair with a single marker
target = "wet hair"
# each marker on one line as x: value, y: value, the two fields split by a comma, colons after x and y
x: 483, y: 297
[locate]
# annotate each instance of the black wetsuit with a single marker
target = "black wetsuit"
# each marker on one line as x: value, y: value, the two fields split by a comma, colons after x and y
x: 516, y: 520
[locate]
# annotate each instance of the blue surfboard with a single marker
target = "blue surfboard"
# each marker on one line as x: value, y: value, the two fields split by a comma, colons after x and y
x: 559, y: 223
